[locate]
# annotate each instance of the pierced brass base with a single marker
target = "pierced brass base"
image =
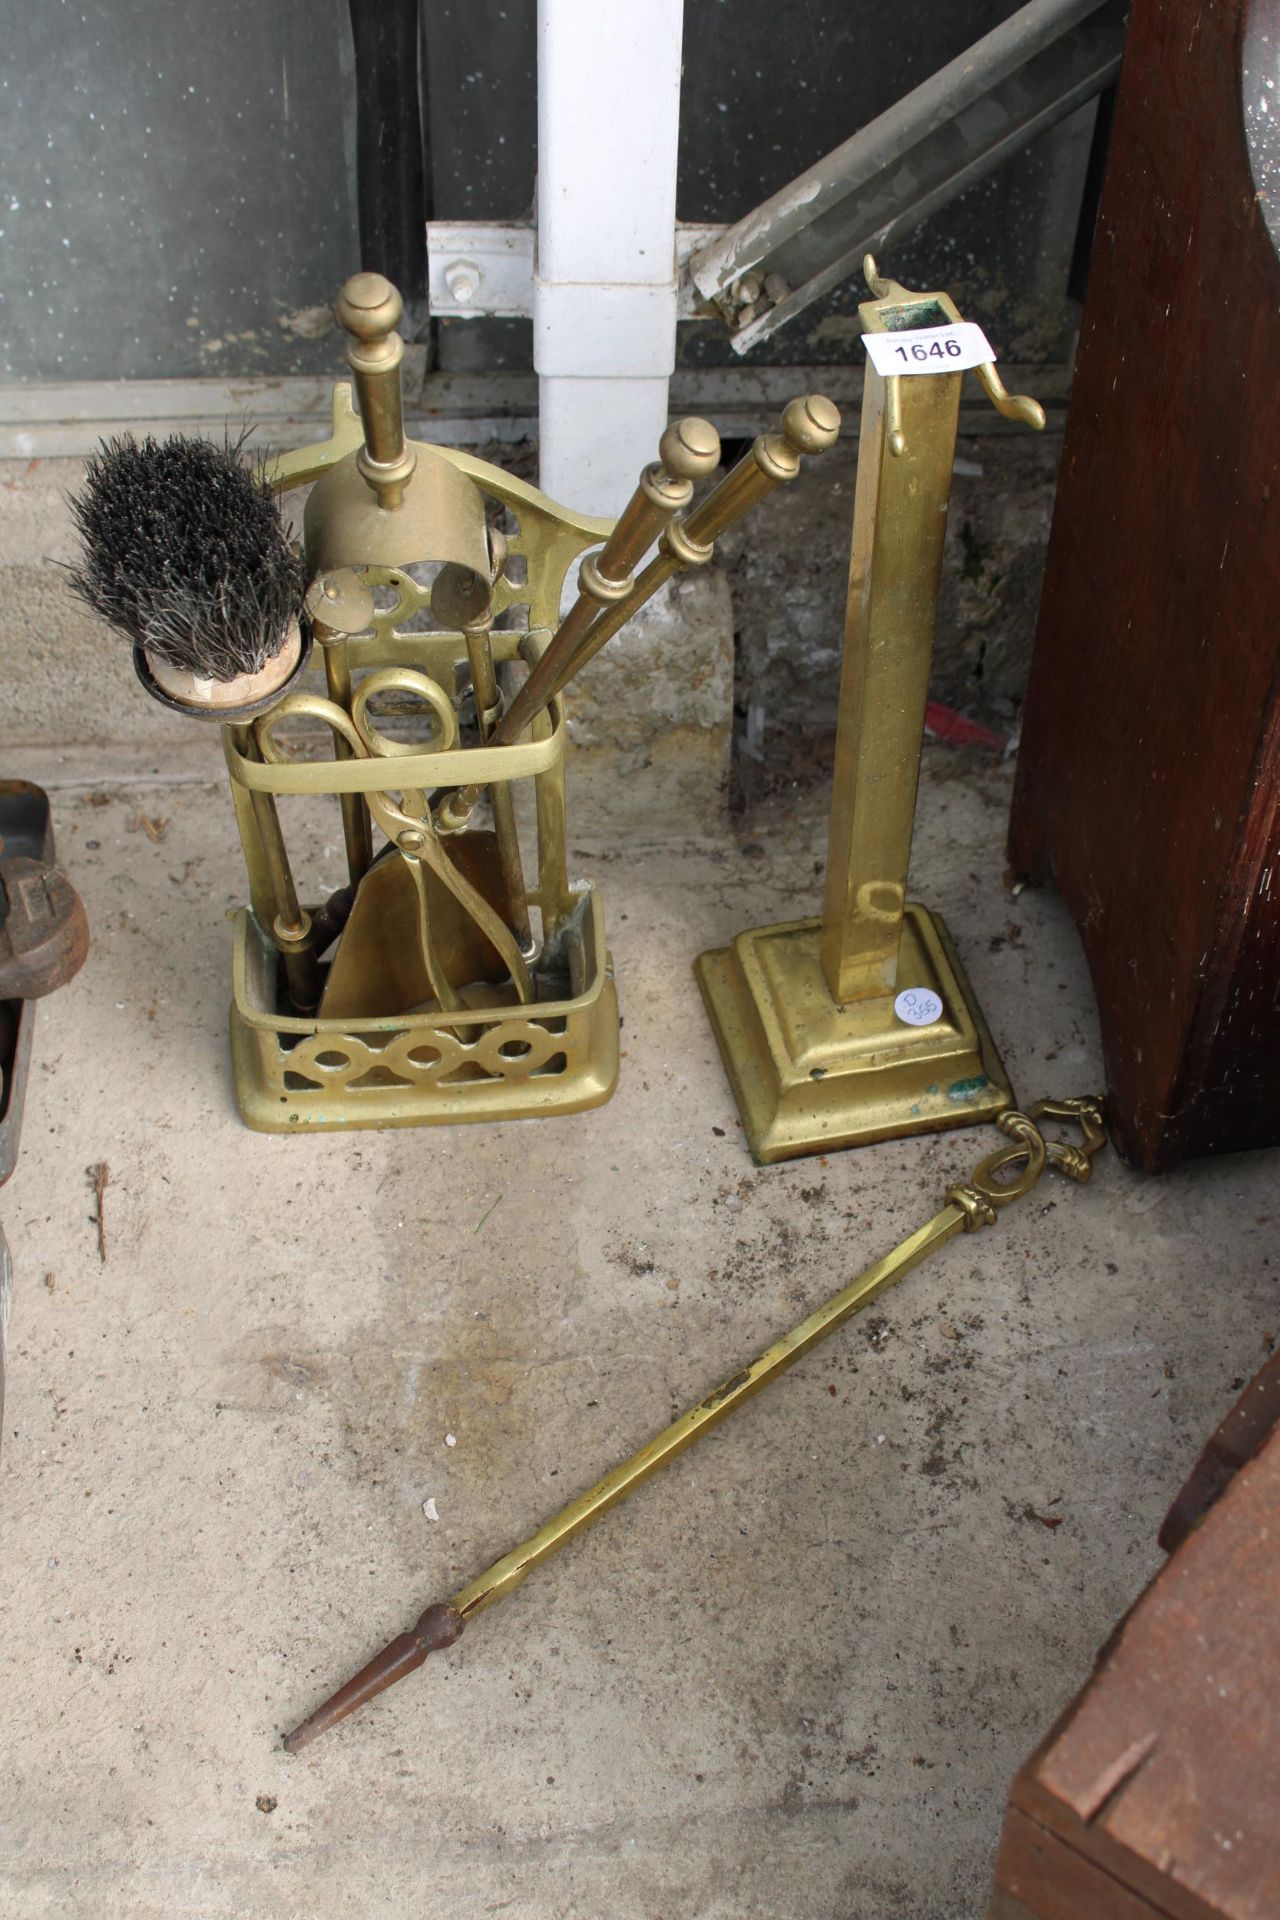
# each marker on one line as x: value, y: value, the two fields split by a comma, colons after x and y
x: 294, y: 1074
x: 810, y: 1076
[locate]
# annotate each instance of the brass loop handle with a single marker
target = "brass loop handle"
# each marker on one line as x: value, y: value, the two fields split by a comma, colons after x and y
x: 409, y: 825
x: 1011, y: 406
x: 424, y: 688
x: 986, y: 1190
x: 1089, y: 1114
x: 881, y: 286
x: 306, y: 706
x: 313, y: 706
x: 411, y: 833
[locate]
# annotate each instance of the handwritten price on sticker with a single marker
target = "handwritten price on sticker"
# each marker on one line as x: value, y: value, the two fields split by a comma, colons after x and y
x: 918, y: 1007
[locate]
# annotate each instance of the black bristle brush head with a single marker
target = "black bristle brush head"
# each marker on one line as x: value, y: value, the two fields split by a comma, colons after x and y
x: 184, y: 550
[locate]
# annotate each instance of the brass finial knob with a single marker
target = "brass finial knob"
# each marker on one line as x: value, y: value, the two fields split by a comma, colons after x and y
x: 369, y: 306
x: 689, y: 449
x: 811, y: 423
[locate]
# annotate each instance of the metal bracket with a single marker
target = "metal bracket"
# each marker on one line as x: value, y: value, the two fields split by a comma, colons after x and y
x: 485, y: 268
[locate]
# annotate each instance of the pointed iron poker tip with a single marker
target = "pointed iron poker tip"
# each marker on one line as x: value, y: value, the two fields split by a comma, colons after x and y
x: 439, y: 1627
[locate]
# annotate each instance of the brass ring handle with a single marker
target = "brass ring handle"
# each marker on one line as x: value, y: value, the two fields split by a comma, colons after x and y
x: 392, y: 819
x: 409, y: 824
x: 306, y: 706
x: 424, y: 688
x: 1089, y: 1114
x: 986, y: 1190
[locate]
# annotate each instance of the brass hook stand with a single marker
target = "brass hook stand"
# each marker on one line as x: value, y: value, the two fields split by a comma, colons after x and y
x: 806, y: 1013
x: 1003, y: 1176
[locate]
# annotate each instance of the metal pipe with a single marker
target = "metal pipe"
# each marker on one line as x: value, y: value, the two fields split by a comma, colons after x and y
x: 604, y: 295
x: 392, y: 188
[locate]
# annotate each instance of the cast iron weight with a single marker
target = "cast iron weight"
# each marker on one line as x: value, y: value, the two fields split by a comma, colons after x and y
x: 1005, y: 1175
x: 44, y: 936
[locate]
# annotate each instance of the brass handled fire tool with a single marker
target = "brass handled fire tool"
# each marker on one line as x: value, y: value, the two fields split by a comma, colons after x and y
x: 284, y: 919
x: 688, y: 451
x: 390, y: 502
x: 861, y: 1025
x: 608, y: 596
x: 1003, y: 1176
x: 808, y: 425
x: 419, y: 920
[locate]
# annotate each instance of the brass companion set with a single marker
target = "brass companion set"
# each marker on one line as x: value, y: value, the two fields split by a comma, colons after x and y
x: 460, y: 974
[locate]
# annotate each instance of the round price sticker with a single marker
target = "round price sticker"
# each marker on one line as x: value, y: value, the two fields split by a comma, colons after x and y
x: 918, y: 1007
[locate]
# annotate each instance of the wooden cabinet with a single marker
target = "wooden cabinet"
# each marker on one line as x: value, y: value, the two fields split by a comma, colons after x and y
x: 1148, y: 786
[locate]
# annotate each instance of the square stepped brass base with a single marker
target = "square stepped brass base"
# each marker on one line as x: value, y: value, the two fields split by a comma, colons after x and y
x: 810, y: 1076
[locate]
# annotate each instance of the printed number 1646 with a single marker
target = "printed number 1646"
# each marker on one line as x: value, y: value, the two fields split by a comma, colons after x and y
x: 936, y: 350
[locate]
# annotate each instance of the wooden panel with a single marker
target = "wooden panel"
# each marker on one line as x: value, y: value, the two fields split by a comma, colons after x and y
x: 1149, y: 774
x: 1235, y: 1440
x: 1041, y: 1877
x: 1165, y: 1773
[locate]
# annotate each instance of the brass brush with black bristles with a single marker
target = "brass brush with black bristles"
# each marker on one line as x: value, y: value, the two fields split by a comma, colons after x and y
x: 184, y: 550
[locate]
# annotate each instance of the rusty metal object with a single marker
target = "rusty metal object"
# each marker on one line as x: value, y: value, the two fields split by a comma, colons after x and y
x: 1002, y: 1177
x: 26, y: 829
x: 44, y: 936
x: 438, y: 1627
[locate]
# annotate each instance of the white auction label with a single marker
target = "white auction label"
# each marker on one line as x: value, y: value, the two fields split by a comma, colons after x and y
x: 929, y: 349
x: 918, y: 1007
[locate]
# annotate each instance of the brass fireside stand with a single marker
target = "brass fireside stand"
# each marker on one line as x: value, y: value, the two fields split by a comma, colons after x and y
x: 861, y: 1026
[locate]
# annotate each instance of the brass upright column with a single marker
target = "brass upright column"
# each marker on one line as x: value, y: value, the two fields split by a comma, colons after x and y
x: 861, y: 1026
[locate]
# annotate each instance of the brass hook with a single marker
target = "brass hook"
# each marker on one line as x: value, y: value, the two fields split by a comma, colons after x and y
x: 883, y: 289
x: 1013, y: 406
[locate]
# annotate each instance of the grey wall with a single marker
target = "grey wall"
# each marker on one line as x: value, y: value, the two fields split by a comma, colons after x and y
x: 176, y: 186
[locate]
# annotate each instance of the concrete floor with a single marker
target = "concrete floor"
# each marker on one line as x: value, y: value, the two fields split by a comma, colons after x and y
x: 793, y: 1677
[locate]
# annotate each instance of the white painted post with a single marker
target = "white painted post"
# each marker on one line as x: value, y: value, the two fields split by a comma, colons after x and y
x: 604, y: 298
